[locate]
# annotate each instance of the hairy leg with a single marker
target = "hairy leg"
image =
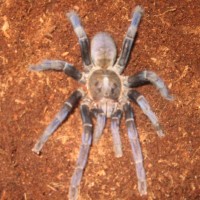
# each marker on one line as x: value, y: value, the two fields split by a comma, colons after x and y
x: 144, y: 105
x: 115, y: 123
x: 136, y: 149
x: 100, y: 124
x: 146, y: 77
x: 83, y: 154
x: 129, y: 39
x: 83, y: 40
x: 59, y: 118
x: 58, y: 65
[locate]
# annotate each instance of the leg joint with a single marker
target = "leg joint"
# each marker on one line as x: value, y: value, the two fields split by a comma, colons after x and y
x: 87, y: 125
x: 68, y: 104
x: 129, y: 119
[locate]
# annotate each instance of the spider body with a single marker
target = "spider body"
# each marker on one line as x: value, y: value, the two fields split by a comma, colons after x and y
x: 104, y: 84
x: 104, y: 88
x: 108, y: 94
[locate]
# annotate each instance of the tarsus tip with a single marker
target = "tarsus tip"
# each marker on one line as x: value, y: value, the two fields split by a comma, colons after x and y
x: 170, y: 98
x: 139, y: 9
x: 35, y: 151
x: 71, y: 13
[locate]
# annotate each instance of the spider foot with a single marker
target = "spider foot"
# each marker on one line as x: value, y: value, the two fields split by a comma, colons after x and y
x: 159, y: 130
x: 47, y: 65
x: 37, y: 148
x: 118, y: 151
x: 142, y: 187
x: 73, y: 193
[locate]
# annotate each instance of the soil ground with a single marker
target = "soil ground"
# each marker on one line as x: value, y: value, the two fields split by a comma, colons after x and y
x: 168, y: 43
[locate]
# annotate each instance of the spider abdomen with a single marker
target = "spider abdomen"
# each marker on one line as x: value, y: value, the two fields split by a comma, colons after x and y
x: 104, y: 84
x: 103, y: 50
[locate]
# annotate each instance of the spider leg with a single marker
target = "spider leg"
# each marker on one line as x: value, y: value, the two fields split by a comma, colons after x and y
x: 59, y: 118
x: 144, y: 105
x: 136, y: 149
x: 115, y: 123
x: 146, y: 77
x: 83, y: 154
x: 83, y: 40
x: 129, y: 39
x: 58, y: 65
x: 100, y: 124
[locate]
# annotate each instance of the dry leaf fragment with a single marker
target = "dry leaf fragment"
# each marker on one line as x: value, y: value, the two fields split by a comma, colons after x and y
x: 5, y: 27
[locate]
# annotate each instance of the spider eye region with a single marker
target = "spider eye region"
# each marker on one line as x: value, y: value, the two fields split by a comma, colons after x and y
x: 104, y: 84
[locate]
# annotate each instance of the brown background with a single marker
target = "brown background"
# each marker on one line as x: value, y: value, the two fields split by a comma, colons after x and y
x: 168, y: 43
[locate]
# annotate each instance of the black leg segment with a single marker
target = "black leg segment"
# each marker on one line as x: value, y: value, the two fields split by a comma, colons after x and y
x: 83, y: 40
x: 58, y: 65
x: 115, y: 124
x: 144, y: 105
x: 59, y: 118
x: 136, y: 149
x: 100, y: 124
x: 129, y: 39
x: 83, y: 154
x: 73, y: 72
x: 146, y: 77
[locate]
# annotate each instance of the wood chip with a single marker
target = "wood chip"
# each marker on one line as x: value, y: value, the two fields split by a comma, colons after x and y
x: 5, y: 27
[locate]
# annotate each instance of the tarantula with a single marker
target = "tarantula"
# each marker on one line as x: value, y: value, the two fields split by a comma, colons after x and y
x: 107, y: 94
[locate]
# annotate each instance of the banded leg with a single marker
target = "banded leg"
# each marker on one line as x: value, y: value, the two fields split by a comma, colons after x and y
x: 136, y: 149
x: 83, y: 154
x: 146, y: 77
x: 129, y: 39
x: 100, y: 124
x: 115, y: 123
x: 58, y: 65
x: 59, y: 118
x: 83, y: 40
x: 144, y: 105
